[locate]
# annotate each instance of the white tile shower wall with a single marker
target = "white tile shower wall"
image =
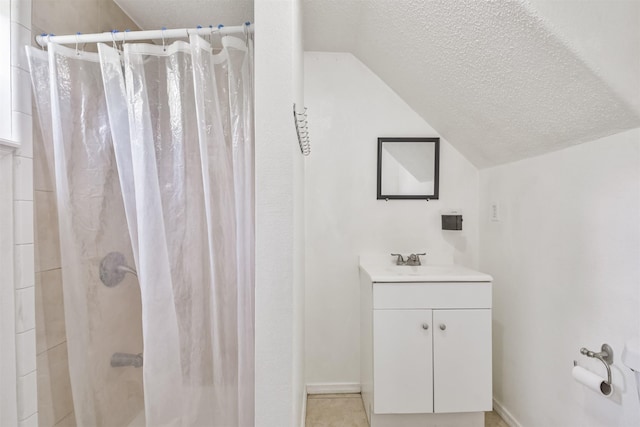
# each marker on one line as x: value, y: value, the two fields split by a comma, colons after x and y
x: 23, y: 214
x: 23, y: 183
x: 21, y: 80
x: 26, y: 347
x: 23, y: 220
x: 27, y: 396
x: 24, y: 266
x: 21, y: 125
x: 54, y: 389
x: 32, y: 421
x: 8, y: 363
x: 54, y: 392
x: 565, y: 257
x: 20, y: 36
x: 47, y: 256
x: 50, y: 324
x: 21, y: 12
x: 53, y: 374
x: 25, y: 310
x: 349, y: 108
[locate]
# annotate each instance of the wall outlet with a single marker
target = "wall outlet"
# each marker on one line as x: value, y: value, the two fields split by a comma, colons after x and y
x: 495, y: 211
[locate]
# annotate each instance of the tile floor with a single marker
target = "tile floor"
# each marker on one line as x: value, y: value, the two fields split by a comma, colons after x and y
x: 346, y: 410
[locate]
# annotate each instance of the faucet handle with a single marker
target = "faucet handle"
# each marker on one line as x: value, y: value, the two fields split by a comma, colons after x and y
x: 399, y: 260
x: 417, y: 258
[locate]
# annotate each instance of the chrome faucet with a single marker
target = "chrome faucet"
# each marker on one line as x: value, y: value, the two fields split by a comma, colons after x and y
x: 413, y: 259
x: 400, y: 260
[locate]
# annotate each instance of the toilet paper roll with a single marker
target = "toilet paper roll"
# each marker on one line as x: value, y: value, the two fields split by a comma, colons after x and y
x: 591, y: 380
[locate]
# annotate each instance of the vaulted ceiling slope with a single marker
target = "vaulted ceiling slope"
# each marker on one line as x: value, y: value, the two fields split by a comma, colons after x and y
x: 501, y: 80
x: 155, y: 14
x: 495, y: 78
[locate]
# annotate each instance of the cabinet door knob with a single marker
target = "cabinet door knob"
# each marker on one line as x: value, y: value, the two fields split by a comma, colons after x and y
x: 425, y: 326
x: 443, y: 326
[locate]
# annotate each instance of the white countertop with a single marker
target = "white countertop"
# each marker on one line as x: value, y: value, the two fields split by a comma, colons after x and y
x: 382, y: 268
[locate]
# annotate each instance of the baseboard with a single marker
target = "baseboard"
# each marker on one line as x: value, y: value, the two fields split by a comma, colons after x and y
x: 333, y: 388
x: 506, y: 415
x: 303, y: 421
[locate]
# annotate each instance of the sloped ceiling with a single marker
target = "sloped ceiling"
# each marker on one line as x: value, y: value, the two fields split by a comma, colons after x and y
x: 493, y: 77
x: 155, y: 14
x: 605, y: 33
x: 501, y: 80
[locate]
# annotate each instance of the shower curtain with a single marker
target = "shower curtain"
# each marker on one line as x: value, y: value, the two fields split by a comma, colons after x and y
x: 153, y: 150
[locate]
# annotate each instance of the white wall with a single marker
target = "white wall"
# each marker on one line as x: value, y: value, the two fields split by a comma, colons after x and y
x: 279, y: 269
x: 565, y: 258
x: 349, y: 108
x: 299, y: 389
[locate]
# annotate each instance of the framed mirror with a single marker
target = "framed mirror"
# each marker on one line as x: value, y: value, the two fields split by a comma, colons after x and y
x: 408, y: 168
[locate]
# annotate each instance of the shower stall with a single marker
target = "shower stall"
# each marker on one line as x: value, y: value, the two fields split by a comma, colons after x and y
x: 154, y: 174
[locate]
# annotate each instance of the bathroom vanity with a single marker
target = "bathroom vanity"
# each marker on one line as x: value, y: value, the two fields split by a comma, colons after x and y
x: 425, y: 337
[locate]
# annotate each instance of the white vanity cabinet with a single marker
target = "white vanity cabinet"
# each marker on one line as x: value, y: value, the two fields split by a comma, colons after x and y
x: 418, y: 370
x: 426, y: 346
x: 462, y: 361
x: 403, y: 360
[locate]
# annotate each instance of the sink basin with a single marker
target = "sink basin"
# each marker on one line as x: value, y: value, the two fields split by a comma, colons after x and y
x: 420, y: 270
x: 382, y: 269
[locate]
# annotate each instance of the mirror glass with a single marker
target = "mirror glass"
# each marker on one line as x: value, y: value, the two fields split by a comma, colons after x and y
x: 408, y: 168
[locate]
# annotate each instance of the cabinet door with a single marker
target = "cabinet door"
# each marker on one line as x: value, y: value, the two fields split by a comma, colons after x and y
x: 402, y: 362
x: 462, y: 360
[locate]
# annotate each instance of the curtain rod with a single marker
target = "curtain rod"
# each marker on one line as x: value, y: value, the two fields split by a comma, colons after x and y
x: 128, y: 36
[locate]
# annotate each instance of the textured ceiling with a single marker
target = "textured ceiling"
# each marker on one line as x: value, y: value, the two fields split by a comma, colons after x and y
x: 493, y: 78
x: 605, y: 33
x: 501, y: 80
x: 155, y: 14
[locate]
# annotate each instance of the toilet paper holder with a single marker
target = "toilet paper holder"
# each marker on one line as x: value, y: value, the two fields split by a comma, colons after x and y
x: 605, y: 355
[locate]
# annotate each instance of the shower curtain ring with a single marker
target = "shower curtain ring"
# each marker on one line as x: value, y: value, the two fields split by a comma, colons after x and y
x: 164, y: 47
x: 219, y: 34
x: 220, y: 27
x: 113, y: 38
x: 124, y: 37
x: 77, y: 51
x: 245, y: 31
